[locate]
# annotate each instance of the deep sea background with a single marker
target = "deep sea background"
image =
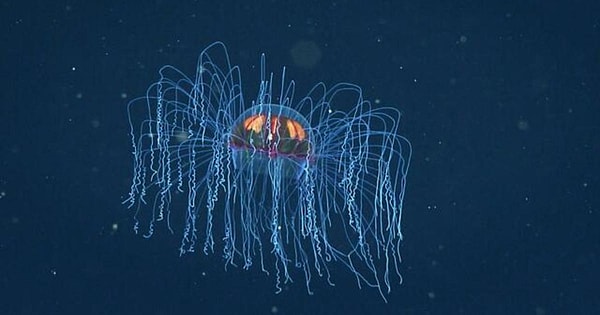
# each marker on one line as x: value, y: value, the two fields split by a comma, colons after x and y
x: 500, y: 100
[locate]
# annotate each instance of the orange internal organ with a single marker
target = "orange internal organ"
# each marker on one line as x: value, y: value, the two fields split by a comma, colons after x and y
x: 293, y: 129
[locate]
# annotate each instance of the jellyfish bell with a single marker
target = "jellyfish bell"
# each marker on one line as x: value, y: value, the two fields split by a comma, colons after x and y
x: 271, y: 133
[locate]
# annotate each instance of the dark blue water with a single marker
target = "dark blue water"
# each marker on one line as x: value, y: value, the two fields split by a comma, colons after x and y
x: 500, y: 102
